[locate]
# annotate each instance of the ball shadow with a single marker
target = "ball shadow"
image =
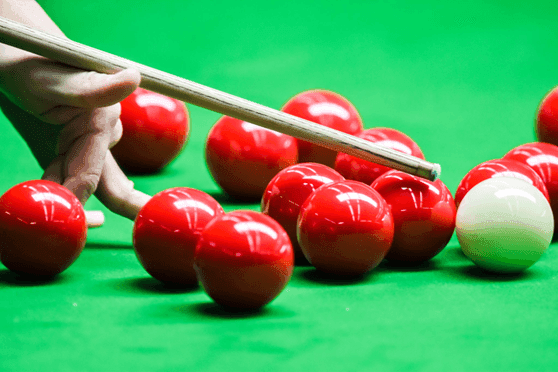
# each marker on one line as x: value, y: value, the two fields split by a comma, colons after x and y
x: 301, y: 261
x: 475, y: 272
x: 152, y: 285
x: 145, y: 174
x: 429, y: 265
x: 213, y: 310
x: 13, y: 279
x: 226, y: 199
x: 315, y: 276
x: 108, y: 246
x: 455, y: 254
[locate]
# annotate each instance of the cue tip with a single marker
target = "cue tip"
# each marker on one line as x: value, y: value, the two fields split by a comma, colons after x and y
x: 436, y: 171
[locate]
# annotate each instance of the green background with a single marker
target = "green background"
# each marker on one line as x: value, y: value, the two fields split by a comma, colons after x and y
x: 463, y: 80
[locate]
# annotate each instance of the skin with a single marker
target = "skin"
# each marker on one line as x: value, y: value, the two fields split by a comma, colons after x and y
x: 69, y: 118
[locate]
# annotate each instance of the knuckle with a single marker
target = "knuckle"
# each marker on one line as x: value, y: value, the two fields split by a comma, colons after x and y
x: 113, y: 115
x: 116, y: 133
x: 116, y: 110
x: 87, y: 182
x: 102, y: 120
x: 83, y: 185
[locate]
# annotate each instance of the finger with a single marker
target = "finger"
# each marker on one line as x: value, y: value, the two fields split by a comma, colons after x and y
x: 54, y: 171
x: 69, y: 86
x: 116, y: 134
x: 61, y: 114
x: 84, y: 144
x: 101, y: 121
x: 94, y: 218
x: 117, y: 192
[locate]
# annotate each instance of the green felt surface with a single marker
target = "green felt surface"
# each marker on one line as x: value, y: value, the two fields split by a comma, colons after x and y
x: 463, y: 80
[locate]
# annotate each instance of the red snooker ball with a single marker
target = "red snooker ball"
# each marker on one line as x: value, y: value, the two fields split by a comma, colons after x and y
x: 325, y: 108
x: 289, y: 189
x: 357, y: 169
x: 498, y: 168
x: 546, y: 126
x: 345, y: 228
x: 155, y: 129
x: 42, y: 228
x: 167, y: 230
x: 543, y: 159
x: 423, y: 215
x: 243, y: 259
x: 242, y: 157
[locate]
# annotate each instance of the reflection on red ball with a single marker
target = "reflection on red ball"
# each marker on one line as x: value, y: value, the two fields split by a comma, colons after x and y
x: 423, y: 215
x: 289, y: 189
x: 167, y: 230
x: 498, y: 168
x: 543, y: 159
x: 243, y: 259
x: 357, y: 169
x: 546, y: 126
x: 42, y: 228
x: 242, y: 157
x: 326, y: 108
x: 345, y: 228
x: 155, y: 129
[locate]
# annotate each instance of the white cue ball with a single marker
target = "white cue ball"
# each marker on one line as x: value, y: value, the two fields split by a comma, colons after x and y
x: 504, y: 225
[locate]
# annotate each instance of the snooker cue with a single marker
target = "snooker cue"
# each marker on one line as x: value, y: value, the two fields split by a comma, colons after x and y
x: 81, y: 56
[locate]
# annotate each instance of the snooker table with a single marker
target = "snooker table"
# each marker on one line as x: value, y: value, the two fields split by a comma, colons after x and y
x: 463, y: 80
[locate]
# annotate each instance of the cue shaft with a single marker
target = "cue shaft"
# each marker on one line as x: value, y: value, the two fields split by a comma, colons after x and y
x: 81, y: 56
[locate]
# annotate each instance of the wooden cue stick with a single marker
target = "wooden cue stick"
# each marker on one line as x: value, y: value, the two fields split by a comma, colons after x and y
x: 88, y: 58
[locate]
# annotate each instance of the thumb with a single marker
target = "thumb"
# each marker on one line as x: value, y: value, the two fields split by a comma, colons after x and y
x: 88, y: 89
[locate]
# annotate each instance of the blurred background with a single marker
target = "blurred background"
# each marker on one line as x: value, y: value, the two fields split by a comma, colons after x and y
x: 462, y: 79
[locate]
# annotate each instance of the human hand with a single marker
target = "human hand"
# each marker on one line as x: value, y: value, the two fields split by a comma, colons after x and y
x: 70, y: 118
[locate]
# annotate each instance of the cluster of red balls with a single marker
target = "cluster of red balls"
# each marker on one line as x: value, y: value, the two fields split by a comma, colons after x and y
x: 341, y: 214
x: 344, y: 221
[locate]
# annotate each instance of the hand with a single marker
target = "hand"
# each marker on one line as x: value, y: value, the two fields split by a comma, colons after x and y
x: 70, y: 118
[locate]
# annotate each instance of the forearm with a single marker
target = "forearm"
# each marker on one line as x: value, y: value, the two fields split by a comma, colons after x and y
x: 27, y: 12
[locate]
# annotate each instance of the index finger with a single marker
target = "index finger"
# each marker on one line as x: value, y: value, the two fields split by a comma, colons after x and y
x: 85, y: 143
